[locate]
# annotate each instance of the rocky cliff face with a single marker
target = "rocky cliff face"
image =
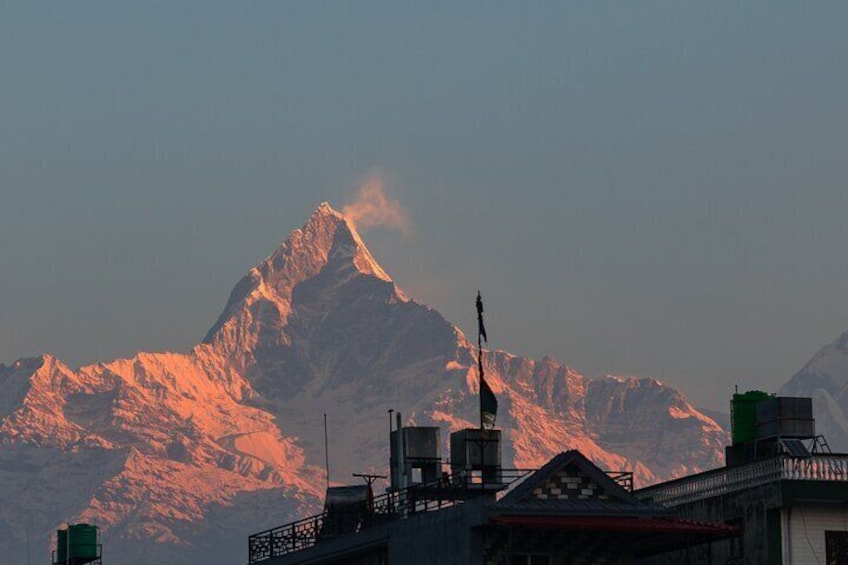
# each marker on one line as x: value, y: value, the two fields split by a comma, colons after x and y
x: 179, y: 456
x: 825, y: 379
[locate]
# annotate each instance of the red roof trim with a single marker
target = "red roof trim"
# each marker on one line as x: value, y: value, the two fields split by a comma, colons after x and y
x: 621, y: 524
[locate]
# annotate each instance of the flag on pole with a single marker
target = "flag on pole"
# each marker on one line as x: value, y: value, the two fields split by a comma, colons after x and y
x: 488, y: 401
x: 488, y: 404
x: 481, y: 328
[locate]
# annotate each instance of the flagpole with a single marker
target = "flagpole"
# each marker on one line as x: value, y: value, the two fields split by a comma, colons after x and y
x: 480, y: 371
x: 488, y: 402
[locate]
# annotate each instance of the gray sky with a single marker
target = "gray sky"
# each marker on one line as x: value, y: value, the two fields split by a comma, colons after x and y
x: 655, y: 189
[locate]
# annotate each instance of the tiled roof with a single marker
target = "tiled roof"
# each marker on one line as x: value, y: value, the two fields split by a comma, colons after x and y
x: 575, y: 460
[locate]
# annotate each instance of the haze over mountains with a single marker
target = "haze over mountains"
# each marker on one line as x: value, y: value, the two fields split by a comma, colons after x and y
x: 180, y: 456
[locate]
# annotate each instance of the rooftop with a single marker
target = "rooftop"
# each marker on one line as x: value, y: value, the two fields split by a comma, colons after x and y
x: 397, y: 505
x: 517, y: 490
x: 725, y: 480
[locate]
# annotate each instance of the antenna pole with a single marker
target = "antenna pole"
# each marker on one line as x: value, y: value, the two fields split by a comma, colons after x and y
x: 326, y: 451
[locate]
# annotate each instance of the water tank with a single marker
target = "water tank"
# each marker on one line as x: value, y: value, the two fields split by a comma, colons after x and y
x: 785, y: 417
x: 743, y: 416
x: 422, y: 456
x: 346, y: 497
x: 61, y: 547
x: 346, y: 509
x: 476, y: 450
x: 77, y: 544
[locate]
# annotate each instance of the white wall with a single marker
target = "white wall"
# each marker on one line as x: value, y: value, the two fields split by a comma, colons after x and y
x: 803, y: 531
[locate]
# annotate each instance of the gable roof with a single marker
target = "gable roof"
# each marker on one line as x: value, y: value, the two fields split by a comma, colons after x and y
x: 571, y: 484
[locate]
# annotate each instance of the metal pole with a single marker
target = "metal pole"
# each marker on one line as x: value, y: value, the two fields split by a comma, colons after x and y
x: 481, y: 444
x: 326, y: 452
x: 26, y: 528
x: 480, y: 370
x: 400, y: 494
x: 401, y: 458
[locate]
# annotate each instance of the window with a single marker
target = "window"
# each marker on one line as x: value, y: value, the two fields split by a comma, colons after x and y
x: 836, y: 548
x: 531, y: 559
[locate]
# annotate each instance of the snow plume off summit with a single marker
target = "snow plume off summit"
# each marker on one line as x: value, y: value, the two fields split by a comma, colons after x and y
x: 373, y: 208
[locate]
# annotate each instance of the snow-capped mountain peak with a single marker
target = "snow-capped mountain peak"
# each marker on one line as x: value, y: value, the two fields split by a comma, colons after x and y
x: 260, y: 305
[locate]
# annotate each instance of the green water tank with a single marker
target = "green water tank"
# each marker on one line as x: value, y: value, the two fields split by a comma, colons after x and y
x: 743, y: 415
x: 61, y: 546
x: 77, y: 544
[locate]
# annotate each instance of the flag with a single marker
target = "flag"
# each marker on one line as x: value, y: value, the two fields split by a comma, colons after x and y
x: 488, y: 401
x: 488, y: 404
x: 481, y: 329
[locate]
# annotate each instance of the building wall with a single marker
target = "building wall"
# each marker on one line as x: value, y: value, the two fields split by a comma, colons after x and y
x: 804, y: 530
x: 445, y: 537
x: 756, y: 511
x: 562, y: 547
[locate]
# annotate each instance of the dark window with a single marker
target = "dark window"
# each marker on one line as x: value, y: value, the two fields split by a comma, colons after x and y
x: 531, y: 559
x: 836, y: 547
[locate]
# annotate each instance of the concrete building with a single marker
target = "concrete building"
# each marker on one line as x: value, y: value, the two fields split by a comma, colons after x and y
x: 791, y: 510
x: 781, y: 488
x: 567, y: 512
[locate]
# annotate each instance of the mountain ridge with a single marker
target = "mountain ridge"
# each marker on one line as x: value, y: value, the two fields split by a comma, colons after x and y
x: 231, y: 426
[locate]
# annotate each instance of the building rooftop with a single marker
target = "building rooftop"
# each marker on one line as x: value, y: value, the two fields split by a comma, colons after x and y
x: 396, y: 505
x: 725, y: 480
x: 569, y: 493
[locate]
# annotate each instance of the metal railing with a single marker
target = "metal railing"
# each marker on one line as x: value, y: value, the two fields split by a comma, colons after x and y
x: 818, y: 467
x: 305, y: 533
x: 623, y: 478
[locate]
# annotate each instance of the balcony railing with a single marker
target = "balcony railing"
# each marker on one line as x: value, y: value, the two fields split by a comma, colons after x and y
x: 387, y: 507
x: 818, y: 467
x: 623, y: 478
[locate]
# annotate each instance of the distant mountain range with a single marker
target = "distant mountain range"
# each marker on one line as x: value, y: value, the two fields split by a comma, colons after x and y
x: 180, y: 456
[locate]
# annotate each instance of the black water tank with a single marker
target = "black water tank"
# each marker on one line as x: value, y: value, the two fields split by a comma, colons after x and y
x: 785, y: 416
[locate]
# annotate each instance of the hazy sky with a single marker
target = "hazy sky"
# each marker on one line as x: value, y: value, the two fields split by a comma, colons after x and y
x: 658, y: 189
